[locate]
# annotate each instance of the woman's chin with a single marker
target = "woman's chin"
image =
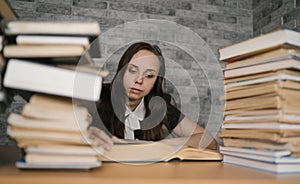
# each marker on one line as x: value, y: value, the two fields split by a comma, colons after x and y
x: 133, y: 96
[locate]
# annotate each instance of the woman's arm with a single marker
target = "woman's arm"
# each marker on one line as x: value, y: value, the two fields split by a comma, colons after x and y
x: 195, y: 135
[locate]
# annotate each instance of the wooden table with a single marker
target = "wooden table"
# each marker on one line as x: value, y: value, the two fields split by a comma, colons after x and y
x: 171, y: 172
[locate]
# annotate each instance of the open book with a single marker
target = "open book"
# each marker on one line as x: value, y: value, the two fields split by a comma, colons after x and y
x: 147, y: 151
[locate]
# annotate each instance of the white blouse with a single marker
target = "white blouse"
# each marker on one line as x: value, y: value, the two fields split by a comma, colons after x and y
x: 132, y: 119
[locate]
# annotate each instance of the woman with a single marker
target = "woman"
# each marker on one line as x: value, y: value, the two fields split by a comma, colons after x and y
x: 134, y: 105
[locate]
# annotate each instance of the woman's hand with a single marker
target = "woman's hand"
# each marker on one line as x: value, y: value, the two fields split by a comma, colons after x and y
x: 195, y: 135
x: 100, y: 138
x: 203, y: 140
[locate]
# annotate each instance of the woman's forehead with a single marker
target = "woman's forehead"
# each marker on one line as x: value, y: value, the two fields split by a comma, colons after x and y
x: 145, y: 59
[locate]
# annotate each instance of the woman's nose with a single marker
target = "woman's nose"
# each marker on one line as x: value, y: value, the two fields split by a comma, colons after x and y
x: 139, y: 79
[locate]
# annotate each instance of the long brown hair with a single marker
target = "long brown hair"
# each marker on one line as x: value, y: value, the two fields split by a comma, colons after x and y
x: 116, y: 101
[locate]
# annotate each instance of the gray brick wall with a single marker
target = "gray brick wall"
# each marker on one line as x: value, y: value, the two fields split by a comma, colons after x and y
x: 215, y: 23
x: 269, y: 15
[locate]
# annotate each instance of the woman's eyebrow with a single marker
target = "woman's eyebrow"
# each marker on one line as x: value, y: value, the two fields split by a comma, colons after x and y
x: 149, y: 69
x: 133, y: 65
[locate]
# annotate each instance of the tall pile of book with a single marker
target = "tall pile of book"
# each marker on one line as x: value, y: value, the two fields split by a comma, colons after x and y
x: 6, y: 14
x: 51, y: 58
x: 261, y: 127
x: 53, y: 132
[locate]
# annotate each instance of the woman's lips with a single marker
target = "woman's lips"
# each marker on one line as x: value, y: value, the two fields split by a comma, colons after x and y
x: 135, y: 90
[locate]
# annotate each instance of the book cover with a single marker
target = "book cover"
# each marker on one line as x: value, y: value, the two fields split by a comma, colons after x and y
x: 294, y: 147
x: 283, y: 118
x: 278, y: 137
x: 255, y: 151
x: 52, y: 40
x: 43, y: 51
x: 282, y: 99
x: 64, y: 149
x: 47, y: 79
x: 282, y: 159
x: 292, y: 63
x: 71, y: 125
x: 65, y: 137
x: 59, y: 159
x: 260, y: 44
x: 50, y: 107
x: 262, y: 112
x: 282, y: 73
x: 264, y: 166
x: 73, y: 166
x: 266, y: 57
x: 88, y: 28
x: 275, y: 87
x: 267, y: 125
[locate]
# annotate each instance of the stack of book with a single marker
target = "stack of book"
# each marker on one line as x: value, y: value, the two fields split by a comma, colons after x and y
x: 53, y: 132
x: 51, y: 58
x: 6, y: 14
x: 261, y: 127
x: 2, y: 64
x: 57, y: 52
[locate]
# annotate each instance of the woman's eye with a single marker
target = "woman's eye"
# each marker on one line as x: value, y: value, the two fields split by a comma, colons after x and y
x: 132, y: 70
x: 149, y: 76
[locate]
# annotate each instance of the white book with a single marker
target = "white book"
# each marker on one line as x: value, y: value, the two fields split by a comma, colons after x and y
x: 260, y: 44
x: 267, y: 125
x: 64, y: 150
x: 47, y: 79
x: 263, y: 158
x: 90, y: 28
x: 270, y: 56
x: 51, y: 40
x: 264, y: 166
x: 279, y: 117
x: 263, y: 80
x: 80, y: 166
x: 291, y: 63
x: 255, y: 151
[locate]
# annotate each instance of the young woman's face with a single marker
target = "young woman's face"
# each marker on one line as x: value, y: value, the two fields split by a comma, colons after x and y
x: 141, y: 74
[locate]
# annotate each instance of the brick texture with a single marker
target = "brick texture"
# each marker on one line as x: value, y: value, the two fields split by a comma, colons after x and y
x: 273, y: 14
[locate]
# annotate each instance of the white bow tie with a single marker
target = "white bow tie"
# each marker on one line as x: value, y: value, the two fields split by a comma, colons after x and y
x: 132, y: 120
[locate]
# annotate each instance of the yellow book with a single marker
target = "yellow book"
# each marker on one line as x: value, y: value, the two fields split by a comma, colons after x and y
x: 145, y: 151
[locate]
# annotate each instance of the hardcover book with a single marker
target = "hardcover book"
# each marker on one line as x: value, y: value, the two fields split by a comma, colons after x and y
x: 260, y: 44
x: 47, y: 79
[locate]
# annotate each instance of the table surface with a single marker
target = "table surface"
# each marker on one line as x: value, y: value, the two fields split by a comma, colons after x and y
x: 211, y: 172
x: 171, y: 172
